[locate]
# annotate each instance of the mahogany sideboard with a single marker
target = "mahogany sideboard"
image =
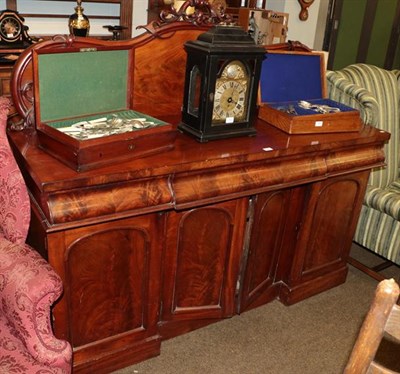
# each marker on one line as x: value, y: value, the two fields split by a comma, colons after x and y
x: 154, y: 247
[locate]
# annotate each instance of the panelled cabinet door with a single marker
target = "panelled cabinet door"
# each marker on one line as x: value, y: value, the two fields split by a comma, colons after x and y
x: 325, y: 234
x: 268, y: 224
x: 111, y: 272
x: 202, y: 260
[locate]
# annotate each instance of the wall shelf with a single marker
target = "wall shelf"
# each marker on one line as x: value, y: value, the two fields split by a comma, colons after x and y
x: 124, y: 18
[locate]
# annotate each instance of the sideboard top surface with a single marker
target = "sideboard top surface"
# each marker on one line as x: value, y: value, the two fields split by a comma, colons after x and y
x: 269, y: 145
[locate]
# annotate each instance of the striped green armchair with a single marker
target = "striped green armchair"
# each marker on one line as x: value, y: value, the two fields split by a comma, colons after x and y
x: 375, y: 92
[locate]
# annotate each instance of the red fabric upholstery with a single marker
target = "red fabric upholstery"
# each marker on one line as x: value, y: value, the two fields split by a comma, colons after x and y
x: 28, y: 288
x: 14, y: 199
x: 28, y: 284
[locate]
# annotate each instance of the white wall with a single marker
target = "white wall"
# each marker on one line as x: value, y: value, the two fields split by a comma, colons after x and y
x: 139, y: 17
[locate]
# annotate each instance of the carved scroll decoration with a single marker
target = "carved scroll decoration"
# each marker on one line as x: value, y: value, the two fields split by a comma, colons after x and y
x: 27, y: 96
x: 197, y: 12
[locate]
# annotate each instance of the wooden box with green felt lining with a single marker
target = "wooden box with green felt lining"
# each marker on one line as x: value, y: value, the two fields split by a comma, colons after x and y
x: 83, y: 109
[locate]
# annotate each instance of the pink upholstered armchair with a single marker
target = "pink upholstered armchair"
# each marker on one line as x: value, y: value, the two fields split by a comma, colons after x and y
x: 28, y: 284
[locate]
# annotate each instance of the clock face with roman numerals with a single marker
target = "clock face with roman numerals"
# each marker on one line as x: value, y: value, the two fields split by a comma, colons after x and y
x: 231, y: 95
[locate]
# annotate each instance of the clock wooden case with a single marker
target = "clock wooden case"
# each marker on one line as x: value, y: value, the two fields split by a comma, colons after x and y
x: 221, y: 83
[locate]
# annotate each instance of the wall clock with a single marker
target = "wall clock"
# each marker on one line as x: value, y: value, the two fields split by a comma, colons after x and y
x: 221, y: 84
x: 13, y: 32
x: 303, y: 15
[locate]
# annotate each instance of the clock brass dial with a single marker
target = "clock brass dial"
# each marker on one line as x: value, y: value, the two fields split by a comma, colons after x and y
x: 229, y: 101
x: 230, y: 95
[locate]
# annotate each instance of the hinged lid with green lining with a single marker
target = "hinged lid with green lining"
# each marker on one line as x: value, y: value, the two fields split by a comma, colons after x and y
x: 83, y: 82
x: 83, y: 105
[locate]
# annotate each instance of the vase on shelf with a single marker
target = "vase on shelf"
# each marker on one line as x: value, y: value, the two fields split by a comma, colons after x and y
x: 79, y: 24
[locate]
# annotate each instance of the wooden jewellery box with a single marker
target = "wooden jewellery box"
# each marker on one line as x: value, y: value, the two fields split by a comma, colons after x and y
x: 293, y: 96
x: 83, y: 105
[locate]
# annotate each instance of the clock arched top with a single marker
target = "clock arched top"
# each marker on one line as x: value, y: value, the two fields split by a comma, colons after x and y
x: 234, y: 69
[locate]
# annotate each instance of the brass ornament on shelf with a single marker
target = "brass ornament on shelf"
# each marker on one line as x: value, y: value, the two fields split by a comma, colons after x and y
x: 78, y: 23
x: 115, y: 30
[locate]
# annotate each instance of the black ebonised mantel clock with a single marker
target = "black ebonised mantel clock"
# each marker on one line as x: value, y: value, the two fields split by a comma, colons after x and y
x: 221, y: 84
x: 13, y: 33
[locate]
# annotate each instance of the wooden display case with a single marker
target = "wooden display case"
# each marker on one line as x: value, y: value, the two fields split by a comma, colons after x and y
x: 83, y: 107
x: 288, y: 79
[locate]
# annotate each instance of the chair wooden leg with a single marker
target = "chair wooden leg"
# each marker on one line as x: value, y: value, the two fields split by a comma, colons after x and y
x: 365, y: 269
x: 384, y: 265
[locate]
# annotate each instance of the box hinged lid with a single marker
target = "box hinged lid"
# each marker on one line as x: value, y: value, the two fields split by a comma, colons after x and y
x: 79, y: 82
x: 287, y: 78
x: 290, y: 76
x: 85, y: 83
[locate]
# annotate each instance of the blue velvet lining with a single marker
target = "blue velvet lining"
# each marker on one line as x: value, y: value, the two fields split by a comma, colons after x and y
x: 283, y: 105
x: 290, y: 77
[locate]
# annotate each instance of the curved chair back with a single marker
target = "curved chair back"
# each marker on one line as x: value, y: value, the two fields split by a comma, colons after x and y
x: 382, y: 318
x: 28, y: 284
x: 383, y: 101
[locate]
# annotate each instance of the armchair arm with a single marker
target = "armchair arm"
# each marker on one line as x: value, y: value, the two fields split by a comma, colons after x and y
x: 348, y: 93
x: 385, y: 200
x: 396, y: 72
x: 28, y: 288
